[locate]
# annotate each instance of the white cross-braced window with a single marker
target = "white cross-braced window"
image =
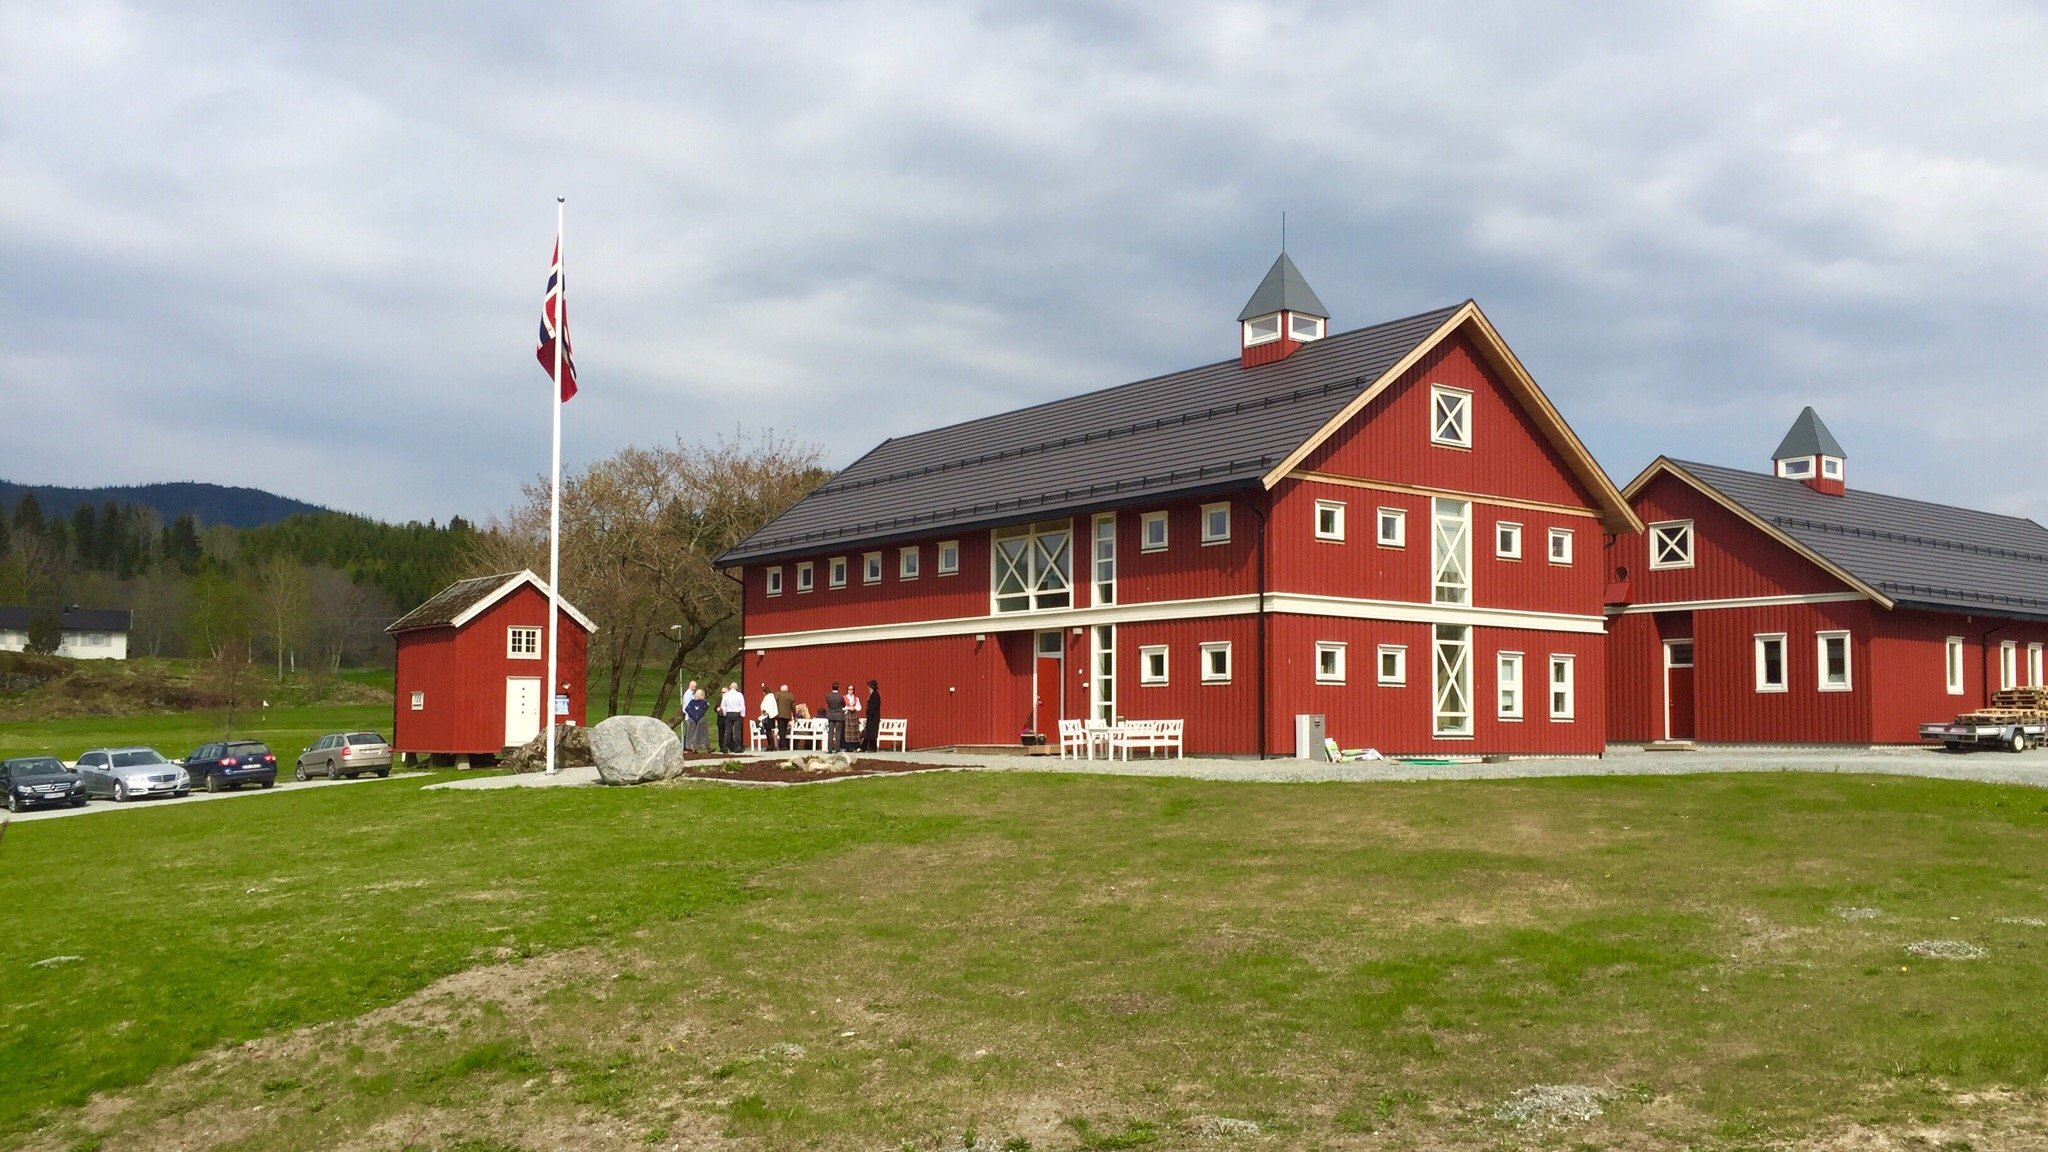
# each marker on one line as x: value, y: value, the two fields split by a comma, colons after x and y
x: 1451, y: 546
x: 1453, y: 665
x: 1033, y: 566
x: 1450, y: 416
x: 1671, y: 544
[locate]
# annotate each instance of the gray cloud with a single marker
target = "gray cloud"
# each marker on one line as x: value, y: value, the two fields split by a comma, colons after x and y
x: 230, y: 233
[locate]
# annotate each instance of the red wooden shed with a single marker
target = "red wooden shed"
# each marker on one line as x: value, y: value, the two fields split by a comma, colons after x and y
x: 471, y: 661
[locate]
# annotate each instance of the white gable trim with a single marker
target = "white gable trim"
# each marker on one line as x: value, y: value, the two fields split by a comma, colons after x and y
x: 506, y: 589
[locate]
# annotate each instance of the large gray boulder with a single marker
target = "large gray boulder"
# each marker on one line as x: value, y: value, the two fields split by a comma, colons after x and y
x: 635, y: 750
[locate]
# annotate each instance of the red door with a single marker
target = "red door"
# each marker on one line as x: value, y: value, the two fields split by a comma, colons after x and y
x: 1049, y: 687
x: 1678, y: 707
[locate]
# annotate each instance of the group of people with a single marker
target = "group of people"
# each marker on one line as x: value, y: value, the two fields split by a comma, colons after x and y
x: 844, y: 714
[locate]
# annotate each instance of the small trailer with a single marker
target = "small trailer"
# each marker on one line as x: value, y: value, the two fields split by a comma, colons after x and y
x: 1968, y: 732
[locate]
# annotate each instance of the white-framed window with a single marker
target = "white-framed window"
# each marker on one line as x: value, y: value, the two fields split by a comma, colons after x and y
x: 871, y: 568
x: 1671, y: 544
x: 1216, y: 663
x: 1450, y: 416
x: 1563, y: 694
x: 522, y: 643
x: 1560, y: 545
x: 1216, y: 523
x: 2009, y: 664
x: 1304, y: 327
x: 1329, y: 662
x: 1393, y: 665
x: 774, y: 580
x: 1262, y: 329
x: 1770, y: 662
x: 1453, y: 680
x: 2034, y: 665
x: 1102, y: 686
x: 1152, y: 532
x: 1831, y: 467
x: 949, y: 557
x: 1105, y: 558
x: 1329, y: 520
x: 806, y: 579
x: 1507, y: 684
x: 1833, y: 648
x: 1507, y: 541
x: 1152, y: 665
x: 835, y: 572
x: 419, y: 701
x: 1795, y: 469
x: 1393, y: 528
x: 908, y: 562
x: 1952, y: 664
x: 1031, y: 566
x: 1451, y: 555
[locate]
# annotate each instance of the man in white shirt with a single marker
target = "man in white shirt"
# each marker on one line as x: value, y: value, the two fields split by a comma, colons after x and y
x: 766, y: 719
x: 732, y: 718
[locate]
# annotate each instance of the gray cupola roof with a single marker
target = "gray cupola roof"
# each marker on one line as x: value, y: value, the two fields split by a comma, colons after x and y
x: 1808, y: 437
x: 1283, y: 290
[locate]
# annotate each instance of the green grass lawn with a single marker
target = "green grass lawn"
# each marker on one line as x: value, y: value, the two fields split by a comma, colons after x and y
x: 287, y: 730
x: 1022, y: 960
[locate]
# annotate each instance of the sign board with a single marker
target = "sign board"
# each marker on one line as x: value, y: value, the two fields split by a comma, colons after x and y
x: 562, y: 705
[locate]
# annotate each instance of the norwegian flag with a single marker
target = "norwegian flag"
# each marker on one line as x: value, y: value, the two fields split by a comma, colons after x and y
x: 554, y: 317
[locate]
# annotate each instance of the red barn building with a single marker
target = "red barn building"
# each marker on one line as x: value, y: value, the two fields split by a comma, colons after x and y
x: 471, y: 661
x: 1787, y: 607
x: 1390, y: 526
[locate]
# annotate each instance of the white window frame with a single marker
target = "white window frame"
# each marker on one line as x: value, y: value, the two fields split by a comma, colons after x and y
x: 1335, y: 511
x: 1668, y: 538
x: 871, y: 568
x: 1209, y: 673
x: 1450, y: 416
x: 1102, y: 557
x: 1045, y: 585
x: 1252, y: 335
x: 1335, y: 649
x: 514, y: 650
x: 1451, y: 711
x: 1209, y: 534
x: 2034, y: 669
x: 1507, y: 685
x: 806, y: 577
x: 1450, y: 552
x: 1398, y: 678
x: 1145, y: 523
x: 1796, y: 469
x: 909, y: 562
x: 1561, y: 556
x: 1102, y: 685
x: 1564, y: 691
x: 1820, y: 643
x: 419, y: 701
x: 1146, y: 677
x: 1397, y: 519
x: 949, y: 557
x: 1758, y: 644
x: 835, y: 572
x: 2008, y: 664
x: 1831, y: 467
x: 1952, y: 664
x: 772, y: 580
x: 1295, y: 321
x: 1507, y: 540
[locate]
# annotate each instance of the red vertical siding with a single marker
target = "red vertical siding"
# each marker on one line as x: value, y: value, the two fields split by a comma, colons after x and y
x: 1730, y: 709
x: 1731, y: 558
x: 1187, y: 569
x: 930, y: 596
x: 1634, y: 671
x: 463, y: 673
x: 1221, y: 718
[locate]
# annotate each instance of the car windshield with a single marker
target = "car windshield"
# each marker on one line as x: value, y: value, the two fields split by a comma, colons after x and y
x: 248, y: 750
x: 139, y: 759
x: 365, y: 738
x: 35, y: 766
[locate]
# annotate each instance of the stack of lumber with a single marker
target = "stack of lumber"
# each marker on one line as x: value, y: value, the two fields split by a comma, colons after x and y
x: 2035, y: 697
x: 2011, y: 706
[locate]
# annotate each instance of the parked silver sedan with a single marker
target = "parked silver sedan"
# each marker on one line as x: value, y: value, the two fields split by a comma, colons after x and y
x: 131, y: 774
x: 349, y: 754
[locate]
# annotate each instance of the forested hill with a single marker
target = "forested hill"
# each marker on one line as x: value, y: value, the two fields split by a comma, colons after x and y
x: 205, y: 503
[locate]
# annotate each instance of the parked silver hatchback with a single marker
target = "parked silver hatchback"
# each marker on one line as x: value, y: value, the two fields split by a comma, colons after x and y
x: 131, y: 774
x: 349, y: 754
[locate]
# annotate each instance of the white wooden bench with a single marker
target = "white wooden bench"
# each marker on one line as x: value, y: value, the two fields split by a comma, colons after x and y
x: 1149, y: 736
x: 808, y: 733
x: 1073, y: 739
x: 893, y: 731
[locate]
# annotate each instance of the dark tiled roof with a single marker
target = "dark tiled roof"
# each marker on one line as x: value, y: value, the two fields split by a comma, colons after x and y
x: 15, y: 618
x: 444, y: 606
x: 1206, y: 429
x: 1916, y: 553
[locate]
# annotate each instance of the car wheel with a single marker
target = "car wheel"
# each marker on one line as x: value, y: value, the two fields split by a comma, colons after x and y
x: 120, y: 792
x: 213, y: 783
x: 333, y: 770
x: 383, y: 773
x: 298, y: 773
x: 268, y: 784
x: 2019, y: 742
x: 14, y: 803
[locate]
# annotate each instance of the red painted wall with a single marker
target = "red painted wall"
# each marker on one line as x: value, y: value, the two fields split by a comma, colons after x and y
x: 1188, y: 569
x: 463, y: 673
x: 1221, y: 718
x: 894, y: 600
x: 1731, y: 558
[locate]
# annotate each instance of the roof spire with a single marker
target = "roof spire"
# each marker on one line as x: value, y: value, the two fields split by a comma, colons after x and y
x: 1283, y: 290
x: 1808, y: 437
x: 1810, y: 454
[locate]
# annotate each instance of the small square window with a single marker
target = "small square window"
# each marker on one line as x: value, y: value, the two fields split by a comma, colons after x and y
x: 419, y: 701
x: 1216, y: 663
x: 1329, y: 662
x: 949, y: 557
x: 1560, y: 545
x: 1393, y: 665
x: 1215, y: 523
x: 871, y: 568
x: 907, y: 560
x: 1304, y: 327
x: 1152, y: 665
x: 774, y: 581
x: 522, y: 643
x: 835, y: 569
x: 1393, y: 530
x: 1671, y: 544
x: 1507, y: 541
x: 1153, y: 535
x: 1831, y: 467
x: 1329, y: 520
x: 805, y: 577
x: 1450, y: 417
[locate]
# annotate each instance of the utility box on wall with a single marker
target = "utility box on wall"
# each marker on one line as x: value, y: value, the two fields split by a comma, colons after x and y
x: 1308, y: 738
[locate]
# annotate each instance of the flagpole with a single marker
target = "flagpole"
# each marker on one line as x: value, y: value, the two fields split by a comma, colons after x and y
x: 555, y: 484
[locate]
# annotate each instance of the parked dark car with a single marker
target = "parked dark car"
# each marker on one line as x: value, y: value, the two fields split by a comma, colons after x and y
x: 40, y: 781
x: 231, y: 764
x: 347, y: 754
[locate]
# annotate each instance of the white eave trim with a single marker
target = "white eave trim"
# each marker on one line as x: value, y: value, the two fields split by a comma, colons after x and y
x: 1406, y: 612
x: 1741, y: 602
x: 506, y: 589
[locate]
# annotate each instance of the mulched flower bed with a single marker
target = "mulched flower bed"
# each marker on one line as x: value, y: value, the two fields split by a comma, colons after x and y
x: 772, y: 771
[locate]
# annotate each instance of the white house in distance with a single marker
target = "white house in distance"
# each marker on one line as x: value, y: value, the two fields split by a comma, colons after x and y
x: 89, y: 633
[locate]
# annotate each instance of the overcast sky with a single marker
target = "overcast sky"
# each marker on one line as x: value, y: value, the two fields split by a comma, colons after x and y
x: 301, y: 247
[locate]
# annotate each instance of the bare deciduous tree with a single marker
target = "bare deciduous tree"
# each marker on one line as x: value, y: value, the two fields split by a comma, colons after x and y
x: 284, y: 593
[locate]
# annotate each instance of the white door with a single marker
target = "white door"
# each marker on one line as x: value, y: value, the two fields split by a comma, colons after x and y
x: 522, y: 709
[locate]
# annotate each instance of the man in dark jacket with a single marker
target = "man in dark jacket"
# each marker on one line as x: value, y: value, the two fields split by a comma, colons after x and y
x: 835, y: 719
x: 874, y: 718
x: 785, y: 711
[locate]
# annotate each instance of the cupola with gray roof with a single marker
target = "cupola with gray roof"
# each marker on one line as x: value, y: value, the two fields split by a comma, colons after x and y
x: 1810, y: 454
x: 1282, y: 315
